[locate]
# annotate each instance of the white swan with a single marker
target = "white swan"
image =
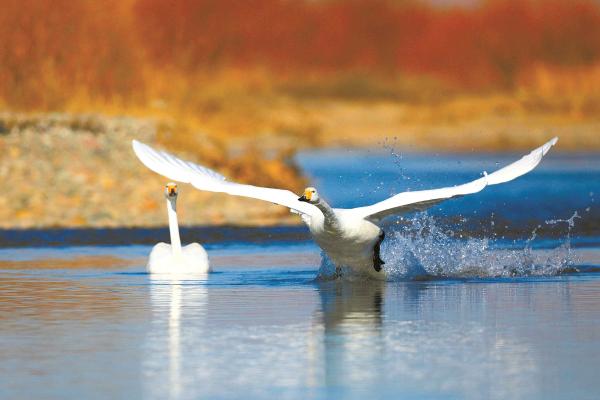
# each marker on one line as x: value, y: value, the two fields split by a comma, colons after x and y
x: 350, y: 237
x: 172, y: 258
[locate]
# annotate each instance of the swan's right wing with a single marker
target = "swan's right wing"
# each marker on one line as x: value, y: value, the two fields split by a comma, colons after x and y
x: 204, y: 178
x: 420, y: 200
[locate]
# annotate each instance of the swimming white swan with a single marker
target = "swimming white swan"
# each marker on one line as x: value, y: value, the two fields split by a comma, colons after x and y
x: 350, y: 237
x: 172, y: 258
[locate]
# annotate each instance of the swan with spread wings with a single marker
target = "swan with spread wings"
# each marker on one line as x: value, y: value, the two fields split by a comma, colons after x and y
x: 350, y: 237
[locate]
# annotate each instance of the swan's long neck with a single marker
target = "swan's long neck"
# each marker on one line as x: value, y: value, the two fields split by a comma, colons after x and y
x: 330, y: 217
x: 174, y: 226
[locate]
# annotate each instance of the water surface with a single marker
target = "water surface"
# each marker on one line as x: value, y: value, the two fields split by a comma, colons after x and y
x: 499, y: 309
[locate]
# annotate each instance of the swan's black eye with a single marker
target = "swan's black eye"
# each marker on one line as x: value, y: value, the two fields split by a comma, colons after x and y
x: 314, y: 191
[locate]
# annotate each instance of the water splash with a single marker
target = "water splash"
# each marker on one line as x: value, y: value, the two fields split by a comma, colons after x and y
x: 398, y: 160
x: 420, y: 249
x: 424, y: 250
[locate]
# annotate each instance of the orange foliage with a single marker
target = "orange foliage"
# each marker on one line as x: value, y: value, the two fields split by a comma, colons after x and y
x: 498, y: 41
x: 51, y: 49
x: 54, y: 50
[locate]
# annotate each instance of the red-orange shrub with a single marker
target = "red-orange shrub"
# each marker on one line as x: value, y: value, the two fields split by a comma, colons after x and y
x: 54, y: 50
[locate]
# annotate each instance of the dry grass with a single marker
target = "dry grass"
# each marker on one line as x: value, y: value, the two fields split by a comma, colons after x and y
x: 233, y: 113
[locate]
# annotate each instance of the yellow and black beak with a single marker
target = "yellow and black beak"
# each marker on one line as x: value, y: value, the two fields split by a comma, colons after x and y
x: 306, y: 196
x: 171, y: 190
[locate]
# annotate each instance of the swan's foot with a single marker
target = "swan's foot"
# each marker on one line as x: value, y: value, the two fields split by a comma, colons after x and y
x: 377, y: 261
x: 338, y: 272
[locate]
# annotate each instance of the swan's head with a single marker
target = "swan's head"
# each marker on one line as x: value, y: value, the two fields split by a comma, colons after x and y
x: 310, y: 195
x: 171, y: 190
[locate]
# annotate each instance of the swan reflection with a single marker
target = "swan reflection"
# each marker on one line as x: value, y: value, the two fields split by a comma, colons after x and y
x: 363, y: 342
x: 171, y: 297
x: 351, y: 319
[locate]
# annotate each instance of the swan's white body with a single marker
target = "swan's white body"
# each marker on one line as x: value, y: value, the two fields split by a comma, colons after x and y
x: 350, y: 237
x: 192, y: 260
x: 347, y: 239
x: 171, y: 258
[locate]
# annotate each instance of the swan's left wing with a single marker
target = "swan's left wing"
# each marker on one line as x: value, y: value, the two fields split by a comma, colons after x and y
x: 204, y: 178
x: 406, y: 202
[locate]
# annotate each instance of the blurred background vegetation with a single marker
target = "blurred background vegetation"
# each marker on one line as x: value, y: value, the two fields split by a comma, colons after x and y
x: 77, y: 54
x: 232, y: 83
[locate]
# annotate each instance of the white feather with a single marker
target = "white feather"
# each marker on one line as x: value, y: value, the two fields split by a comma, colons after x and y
x: 418, y: 200
x: 204, y: 178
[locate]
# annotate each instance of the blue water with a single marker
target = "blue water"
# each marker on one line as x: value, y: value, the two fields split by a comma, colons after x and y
x: 559, y: 186
x: 500, y: 308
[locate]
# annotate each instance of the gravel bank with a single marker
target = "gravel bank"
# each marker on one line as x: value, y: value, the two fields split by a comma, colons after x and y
x: 63, y: 170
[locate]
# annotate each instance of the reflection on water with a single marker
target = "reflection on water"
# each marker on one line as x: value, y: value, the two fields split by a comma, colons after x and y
x: 275, y: 333
x: 166, y: 338
x: 351, y: 316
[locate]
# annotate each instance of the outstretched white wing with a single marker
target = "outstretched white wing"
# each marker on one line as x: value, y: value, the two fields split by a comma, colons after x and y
x: 419, y: 200
x: 204, y: 178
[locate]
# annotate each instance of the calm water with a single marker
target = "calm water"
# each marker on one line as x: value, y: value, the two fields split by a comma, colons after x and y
x: 506, y: 310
